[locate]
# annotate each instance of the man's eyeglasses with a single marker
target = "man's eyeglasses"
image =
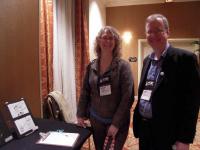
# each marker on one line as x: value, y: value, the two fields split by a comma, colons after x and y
x: 155, y: 32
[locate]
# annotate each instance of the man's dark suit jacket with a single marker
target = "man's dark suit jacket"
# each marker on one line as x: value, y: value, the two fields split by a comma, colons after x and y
x: 175, y: 99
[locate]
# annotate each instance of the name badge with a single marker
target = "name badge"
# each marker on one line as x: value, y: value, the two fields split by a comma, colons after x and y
x: 146, y: 95
x: 105, y: 90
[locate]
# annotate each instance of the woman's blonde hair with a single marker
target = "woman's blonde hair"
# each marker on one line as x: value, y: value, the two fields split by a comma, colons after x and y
x: 117, y: 38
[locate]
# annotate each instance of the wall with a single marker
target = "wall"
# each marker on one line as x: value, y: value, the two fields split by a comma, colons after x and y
x: 183, y: 19
x: 97, y: 19
x: 19, y: 52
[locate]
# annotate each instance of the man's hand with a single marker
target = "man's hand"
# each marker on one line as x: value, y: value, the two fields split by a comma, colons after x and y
x: 182, y: 146
x: 112, y: 131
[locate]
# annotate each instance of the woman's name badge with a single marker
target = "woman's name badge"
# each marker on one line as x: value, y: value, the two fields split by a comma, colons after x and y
x: 146, y: 94
x: 105, y: 90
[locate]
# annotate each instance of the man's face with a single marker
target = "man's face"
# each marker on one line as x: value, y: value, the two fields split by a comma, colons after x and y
x: 156, y: 34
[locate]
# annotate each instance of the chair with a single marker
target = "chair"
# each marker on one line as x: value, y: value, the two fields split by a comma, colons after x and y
x: 52, y: 109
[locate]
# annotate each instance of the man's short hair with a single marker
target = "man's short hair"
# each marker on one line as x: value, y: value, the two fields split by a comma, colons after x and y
x: 156, y: 16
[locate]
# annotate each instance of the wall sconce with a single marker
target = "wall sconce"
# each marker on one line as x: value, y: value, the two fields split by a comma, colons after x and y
x: 127, y: 36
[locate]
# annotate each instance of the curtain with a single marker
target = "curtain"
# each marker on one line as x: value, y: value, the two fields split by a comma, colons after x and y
x: 46, y: 46
x: 64, y: 59
x: 81, y: 43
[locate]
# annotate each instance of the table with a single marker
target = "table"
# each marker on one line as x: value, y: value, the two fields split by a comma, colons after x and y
x: 45, y: 125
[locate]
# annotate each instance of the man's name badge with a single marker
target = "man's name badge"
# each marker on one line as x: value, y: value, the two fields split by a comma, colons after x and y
x: 146, y: 95
x: 105, y: 90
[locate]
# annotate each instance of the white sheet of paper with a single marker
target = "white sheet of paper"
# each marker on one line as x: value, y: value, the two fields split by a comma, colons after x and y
x: 60, y: 139
x: 105, y: 90
x: 25, y: 124
x: 18, y: 109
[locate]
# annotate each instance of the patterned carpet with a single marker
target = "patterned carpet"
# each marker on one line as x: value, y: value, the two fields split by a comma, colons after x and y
x: 132, y: 142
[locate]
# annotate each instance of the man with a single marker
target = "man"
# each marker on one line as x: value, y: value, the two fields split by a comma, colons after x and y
x: 166, y: 114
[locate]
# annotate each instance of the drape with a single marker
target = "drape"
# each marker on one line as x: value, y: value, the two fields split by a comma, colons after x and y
x: 81, y: 43
x: 64, y: 59
x: 46, y: 46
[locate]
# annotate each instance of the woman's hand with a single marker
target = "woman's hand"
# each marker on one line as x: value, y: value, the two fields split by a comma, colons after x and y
x: 112, y: 131
x: 81, y: 122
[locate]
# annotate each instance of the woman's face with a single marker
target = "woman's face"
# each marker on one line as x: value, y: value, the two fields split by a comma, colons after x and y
x: 107, y: 42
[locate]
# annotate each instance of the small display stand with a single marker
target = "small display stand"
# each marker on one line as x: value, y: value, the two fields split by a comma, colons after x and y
x: 20, y: 119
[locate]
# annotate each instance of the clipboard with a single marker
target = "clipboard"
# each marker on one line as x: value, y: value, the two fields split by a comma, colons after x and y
x: 20, y: 119
x: 65, y: 139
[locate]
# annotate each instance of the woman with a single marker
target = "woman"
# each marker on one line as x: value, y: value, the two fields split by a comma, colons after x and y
x: 107, y: 92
